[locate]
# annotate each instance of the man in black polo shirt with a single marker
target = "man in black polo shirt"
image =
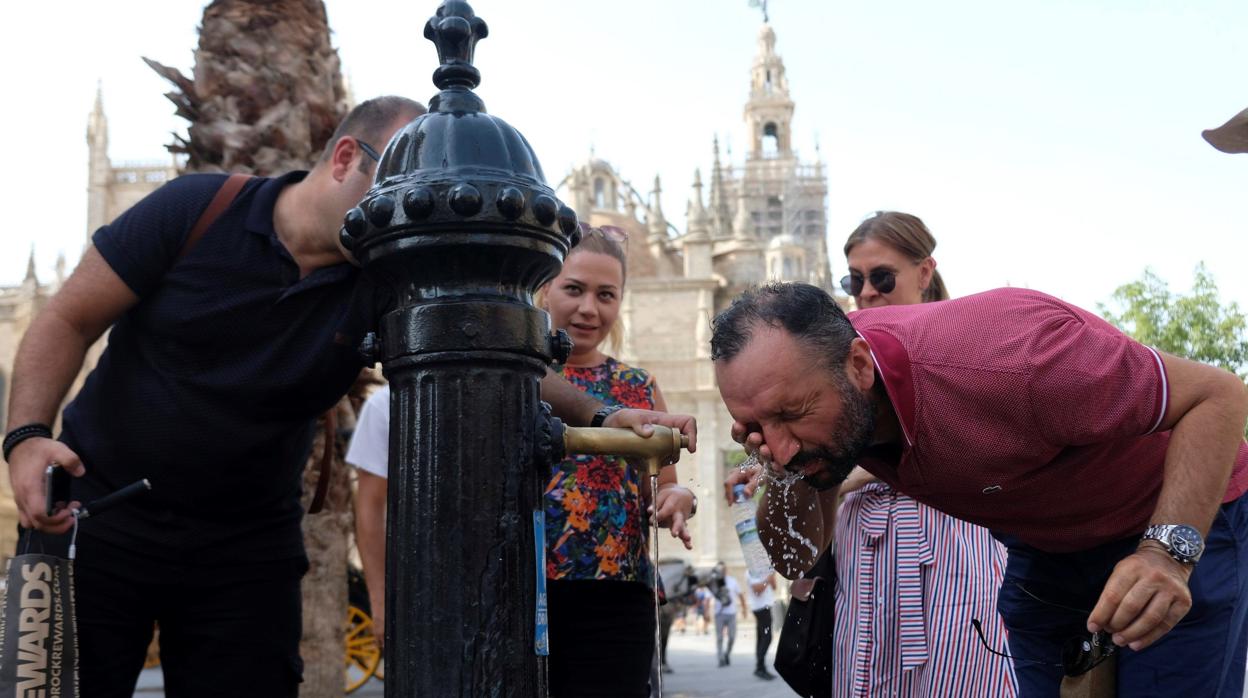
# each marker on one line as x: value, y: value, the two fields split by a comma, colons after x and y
x: 221, y: 355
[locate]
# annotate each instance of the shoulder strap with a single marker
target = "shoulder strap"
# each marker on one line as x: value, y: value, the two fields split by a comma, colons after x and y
x: 327, y: 460
x: 224, y: 197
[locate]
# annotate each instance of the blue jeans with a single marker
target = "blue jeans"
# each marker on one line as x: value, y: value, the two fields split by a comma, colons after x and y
x: 1203, y: 655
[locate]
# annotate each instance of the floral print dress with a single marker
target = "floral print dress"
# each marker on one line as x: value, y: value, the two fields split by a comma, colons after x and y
x: 593, y: 503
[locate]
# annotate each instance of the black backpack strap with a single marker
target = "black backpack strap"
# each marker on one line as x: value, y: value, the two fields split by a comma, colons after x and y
x: 326, y: 466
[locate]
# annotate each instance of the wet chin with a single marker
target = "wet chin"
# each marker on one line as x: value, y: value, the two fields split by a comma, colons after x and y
x: 834, y: 466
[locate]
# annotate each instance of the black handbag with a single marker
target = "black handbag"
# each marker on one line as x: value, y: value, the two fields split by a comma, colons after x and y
x: 804, y: 653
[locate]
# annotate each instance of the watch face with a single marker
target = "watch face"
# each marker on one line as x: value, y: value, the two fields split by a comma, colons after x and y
x: 1186, y: 541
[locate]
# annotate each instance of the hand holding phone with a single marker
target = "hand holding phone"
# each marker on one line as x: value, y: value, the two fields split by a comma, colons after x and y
x: 29, y: 477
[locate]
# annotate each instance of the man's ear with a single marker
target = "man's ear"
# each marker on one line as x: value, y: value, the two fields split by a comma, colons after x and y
x: 345, y: 152
x: 859, y: 366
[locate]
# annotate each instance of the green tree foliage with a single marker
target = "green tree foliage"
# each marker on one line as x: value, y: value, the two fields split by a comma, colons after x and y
x: 1195, y: 326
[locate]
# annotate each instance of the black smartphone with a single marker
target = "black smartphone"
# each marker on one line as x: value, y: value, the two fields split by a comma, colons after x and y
x: 56, y: 486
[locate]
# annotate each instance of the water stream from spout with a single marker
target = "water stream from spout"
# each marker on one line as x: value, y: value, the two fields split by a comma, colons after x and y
x: 654, y: 548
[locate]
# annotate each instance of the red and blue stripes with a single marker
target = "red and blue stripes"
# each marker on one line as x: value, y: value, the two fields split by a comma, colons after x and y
x: 910, y: 579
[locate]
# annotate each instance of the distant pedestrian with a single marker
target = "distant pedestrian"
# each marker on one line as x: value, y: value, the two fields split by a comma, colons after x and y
x: 762, y: 596
x: 703, y: 609
x: 727, y: 596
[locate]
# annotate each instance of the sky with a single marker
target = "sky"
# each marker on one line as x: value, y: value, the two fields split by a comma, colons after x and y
x: 1054, y: 145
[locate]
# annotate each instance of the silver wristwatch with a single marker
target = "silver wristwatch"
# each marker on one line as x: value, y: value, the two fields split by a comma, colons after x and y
x: 1183, y: 542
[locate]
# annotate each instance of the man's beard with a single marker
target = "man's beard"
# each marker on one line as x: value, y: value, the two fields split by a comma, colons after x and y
x: 854, y: 428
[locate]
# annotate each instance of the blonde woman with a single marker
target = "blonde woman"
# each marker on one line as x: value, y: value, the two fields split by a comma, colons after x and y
x: 601, y: 604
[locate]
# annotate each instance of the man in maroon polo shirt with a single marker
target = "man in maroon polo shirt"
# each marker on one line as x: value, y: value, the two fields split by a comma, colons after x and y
x: 1107, y: 468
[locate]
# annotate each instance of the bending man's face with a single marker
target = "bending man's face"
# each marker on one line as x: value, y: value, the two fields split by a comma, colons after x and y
x: 814, y: 421
x: 826, y: 466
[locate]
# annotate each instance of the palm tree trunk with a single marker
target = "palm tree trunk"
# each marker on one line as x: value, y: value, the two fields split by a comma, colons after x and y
x: 325, y: 536
x: 267, y: 91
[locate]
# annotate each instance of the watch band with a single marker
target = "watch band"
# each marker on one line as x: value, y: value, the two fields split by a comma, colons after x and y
x: 601, y: 415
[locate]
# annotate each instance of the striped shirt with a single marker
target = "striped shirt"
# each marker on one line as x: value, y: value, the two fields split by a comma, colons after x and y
x: 910, y: 579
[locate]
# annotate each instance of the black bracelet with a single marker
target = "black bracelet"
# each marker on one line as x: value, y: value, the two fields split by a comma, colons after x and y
x: 601, y: 415
x: 20, y: 434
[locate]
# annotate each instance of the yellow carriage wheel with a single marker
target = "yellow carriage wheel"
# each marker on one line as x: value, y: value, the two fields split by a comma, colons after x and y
x: 152, y: 659
x: 362, y: 653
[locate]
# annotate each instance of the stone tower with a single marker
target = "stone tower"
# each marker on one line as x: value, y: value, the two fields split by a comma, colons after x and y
x: 769, y: 111
x: 775, y: 194
x: 111, y: 190
x: 99, y: 168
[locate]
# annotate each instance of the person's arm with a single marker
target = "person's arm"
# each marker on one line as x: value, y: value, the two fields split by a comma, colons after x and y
x: 577, y: 408
x: 370, y: 540
x: 675, y: 502
x: 369, y: 454
x: 796, y: 522
x: 1147, y: 594
x: 48, y: 359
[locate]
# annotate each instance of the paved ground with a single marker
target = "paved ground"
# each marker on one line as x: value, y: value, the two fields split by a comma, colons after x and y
x: 697, y: 675
x: 692, y: 658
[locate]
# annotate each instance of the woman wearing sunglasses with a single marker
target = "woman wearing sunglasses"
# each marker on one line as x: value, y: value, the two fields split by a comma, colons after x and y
x: 911, y: 575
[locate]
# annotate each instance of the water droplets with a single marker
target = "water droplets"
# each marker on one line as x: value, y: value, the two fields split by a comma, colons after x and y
x: 794, y: 546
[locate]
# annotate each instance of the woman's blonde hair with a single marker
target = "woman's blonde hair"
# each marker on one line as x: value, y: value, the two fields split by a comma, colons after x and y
x: 596, y: 240
x: 908, y: 235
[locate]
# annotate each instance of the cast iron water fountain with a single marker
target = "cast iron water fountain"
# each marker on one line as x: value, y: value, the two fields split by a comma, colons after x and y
x: 461, y: 224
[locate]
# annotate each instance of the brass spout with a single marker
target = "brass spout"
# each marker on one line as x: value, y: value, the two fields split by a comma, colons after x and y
x: 659, y: 449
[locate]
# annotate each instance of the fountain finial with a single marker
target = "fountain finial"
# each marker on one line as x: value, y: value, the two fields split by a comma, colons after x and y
x: 455, y: 29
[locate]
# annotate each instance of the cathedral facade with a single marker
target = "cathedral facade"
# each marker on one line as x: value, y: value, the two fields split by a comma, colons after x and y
x: 761, y: 220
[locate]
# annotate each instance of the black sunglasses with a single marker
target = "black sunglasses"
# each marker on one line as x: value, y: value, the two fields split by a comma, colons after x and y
x: 368, y: 150
x: 1080, y: 654
x: 882, y: 280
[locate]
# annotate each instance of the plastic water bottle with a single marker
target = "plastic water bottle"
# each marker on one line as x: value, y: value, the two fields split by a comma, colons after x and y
x: 744, y: 517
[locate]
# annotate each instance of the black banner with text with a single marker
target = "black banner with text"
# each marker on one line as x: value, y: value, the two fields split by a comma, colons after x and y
x: 38, y: 639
